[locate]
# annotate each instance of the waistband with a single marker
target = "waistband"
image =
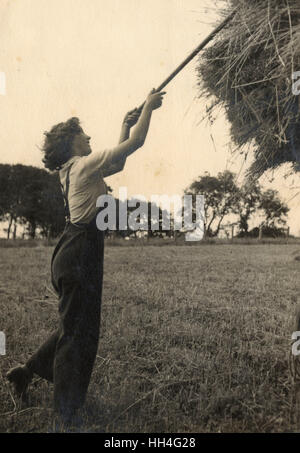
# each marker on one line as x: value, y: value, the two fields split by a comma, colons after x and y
x: 91, y: 226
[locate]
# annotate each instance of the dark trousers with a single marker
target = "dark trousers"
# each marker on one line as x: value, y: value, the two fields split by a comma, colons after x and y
x: 68, y: 356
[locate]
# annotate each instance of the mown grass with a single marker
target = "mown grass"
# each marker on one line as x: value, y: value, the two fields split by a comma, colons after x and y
x: 193, y: 339
x: 155, y: 241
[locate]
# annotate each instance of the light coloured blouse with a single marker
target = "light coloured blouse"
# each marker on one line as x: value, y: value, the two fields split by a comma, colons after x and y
x: 87, y: 183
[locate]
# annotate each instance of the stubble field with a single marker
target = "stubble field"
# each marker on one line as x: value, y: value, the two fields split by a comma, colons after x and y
x: 193, y: 339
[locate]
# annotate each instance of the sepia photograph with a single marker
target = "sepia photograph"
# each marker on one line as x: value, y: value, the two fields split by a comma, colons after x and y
x: 149, y: 218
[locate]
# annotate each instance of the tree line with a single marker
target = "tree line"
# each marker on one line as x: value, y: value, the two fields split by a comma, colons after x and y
x: 31, y: 197
x: 224, y: 197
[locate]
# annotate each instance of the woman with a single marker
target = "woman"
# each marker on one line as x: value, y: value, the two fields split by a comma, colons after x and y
x: 67, y: 357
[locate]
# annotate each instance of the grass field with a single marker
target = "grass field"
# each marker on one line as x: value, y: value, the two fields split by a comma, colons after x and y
x: 193, y: 339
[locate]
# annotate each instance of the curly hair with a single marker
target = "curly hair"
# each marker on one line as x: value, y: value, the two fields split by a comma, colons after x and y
x: 57, y: 147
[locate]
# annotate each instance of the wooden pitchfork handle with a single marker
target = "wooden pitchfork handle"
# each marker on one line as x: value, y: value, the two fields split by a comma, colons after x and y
x: 193, y: 54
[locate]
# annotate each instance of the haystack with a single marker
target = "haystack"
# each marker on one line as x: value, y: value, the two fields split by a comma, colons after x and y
x: 249, y: 71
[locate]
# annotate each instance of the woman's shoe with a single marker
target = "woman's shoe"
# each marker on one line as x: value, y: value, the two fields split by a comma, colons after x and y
x: 20, y: 377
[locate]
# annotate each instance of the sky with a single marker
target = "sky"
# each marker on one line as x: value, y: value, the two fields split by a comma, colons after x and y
x: 97, y: 59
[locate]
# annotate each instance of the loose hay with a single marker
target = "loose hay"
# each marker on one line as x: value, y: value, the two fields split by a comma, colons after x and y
x: 248, y: 70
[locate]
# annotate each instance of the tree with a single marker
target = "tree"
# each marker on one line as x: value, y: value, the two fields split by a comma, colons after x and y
x: 30, y: 196
x: 273, y: 208
x: 221, y: 197
x: 15, y: 193
x: 146, y: 216
x: 31, y: 202
x: 5, y: 194
x: 51, y: 216
x: 248, y: 202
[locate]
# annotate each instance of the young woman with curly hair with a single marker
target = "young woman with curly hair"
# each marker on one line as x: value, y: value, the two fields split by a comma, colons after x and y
x: 67, y: 356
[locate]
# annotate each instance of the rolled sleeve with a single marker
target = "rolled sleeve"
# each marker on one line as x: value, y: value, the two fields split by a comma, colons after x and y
x: 107, y: 161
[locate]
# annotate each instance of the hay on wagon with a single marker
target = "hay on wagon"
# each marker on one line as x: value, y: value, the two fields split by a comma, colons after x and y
x: 249, y: 71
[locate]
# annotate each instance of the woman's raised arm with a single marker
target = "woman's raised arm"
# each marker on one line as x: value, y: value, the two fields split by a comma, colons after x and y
x: 135, y: 141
